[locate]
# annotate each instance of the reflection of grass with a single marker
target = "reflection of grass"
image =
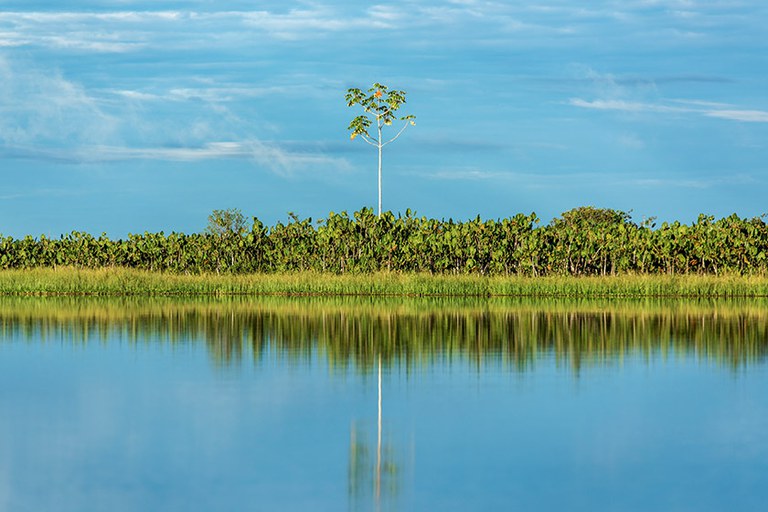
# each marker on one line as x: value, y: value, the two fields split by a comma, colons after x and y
x: 351, y: 331
x: 119, y: 281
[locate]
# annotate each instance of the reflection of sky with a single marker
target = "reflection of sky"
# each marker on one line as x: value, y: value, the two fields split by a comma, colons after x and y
x: 113, y: 429
x: 135, y: 115
x: 149, y: 427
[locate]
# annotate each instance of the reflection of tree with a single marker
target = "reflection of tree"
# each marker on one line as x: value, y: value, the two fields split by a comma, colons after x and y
x: 371, y: 480
x: 352, y: 333
x: 359, y: 467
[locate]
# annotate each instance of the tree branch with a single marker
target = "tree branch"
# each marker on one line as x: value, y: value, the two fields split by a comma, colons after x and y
x: 370, y: 140
x: 393, y: 139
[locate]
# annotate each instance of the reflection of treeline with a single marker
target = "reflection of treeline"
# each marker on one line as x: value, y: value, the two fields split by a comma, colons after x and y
x: 351, y: 334
x: 583, y: 241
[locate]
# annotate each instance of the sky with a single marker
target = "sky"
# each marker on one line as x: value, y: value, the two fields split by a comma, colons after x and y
x: 129, y: 116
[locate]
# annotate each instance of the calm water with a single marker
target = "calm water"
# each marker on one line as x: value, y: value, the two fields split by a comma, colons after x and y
x: 247, y: 404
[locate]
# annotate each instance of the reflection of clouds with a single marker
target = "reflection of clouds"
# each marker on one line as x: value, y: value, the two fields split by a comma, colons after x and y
x: 138, y: 433
x: 133, y: 418
x: 739, y: 430
x: 6, y: 485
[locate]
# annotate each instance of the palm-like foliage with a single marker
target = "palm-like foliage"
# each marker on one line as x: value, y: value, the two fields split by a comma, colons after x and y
x: 581, y: 242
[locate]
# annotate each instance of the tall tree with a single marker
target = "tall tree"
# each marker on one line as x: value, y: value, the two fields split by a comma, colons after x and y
x: 379, y: 104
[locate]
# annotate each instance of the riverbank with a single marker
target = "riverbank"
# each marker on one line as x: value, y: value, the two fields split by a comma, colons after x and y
x: 129, y: 282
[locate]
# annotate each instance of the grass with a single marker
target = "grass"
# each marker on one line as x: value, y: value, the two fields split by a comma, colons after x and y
x: 128, y: 282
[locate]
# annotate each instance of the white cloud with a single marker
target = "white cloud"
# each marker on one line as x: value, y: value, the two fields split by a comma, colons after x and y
x: 124, y: 31
x: 267, y: 155
x: 137, y: 95
x: 694, y: 183
x: 640, y: 95
x: 747, y: 116
x: 45, y: 116
x: 704, y: 103
x: 111, y: 32
x: 523, y: 178
x: 132, y: 30
x: 631, y: 141
x: 386, y: 14
x: 624, y: 106
x: 41, y: 106
x: 467, y: 175
x: 705, y: 108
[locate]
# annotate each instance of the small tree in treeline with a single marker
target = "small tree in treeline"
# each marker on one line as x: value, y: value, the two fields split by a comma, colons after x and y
x: 226, y: 222
x: 379, y: 104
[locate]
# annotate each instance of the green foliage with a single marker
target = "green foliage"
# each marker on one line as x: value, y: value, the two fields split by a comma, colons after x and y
x: 226, y: 222
x: 380, y: 105
x: 581, y: 242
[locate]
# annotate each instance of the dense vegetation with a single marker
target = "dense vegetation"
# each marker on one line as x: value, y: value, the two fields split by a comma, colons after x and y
x: 581, y: 242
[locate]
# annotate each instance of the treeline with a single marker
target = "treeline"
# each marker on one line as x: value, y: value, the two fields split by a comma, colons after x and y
x: 582, y: 241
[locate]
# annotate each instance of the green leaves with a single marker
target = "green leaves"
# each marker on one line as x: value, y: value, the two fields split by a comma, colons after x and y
x: 380, y: 105
x: 359, y: 126
x: 583, y: 241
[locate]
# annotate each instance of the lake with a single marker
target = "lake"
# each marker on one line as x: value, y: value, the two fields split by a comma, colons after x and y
x: 382, y: 404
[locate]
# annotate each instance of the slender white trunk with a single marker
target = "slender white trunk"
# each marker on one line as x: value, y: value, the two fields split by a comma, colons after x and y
x: 380, y: 146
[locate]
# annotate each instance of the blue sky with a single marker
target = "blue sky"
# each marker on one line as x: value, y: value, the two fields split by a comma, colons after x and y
x: 129, y: 116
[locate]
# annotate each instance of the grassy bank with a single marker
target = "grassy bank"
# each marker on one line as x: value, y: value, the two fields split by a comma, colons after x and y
x: 119, y: 281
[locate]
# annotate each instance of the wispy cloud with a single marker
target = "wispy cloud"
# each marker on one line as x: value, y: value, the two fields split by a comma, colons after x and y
x: 267, y: 155
x: 624, y: 106
x: 134, y: 30
x: 111, y: 32
x: 122, y: 31
x: 45, y: 116
x: 45, y: 107
x: 467, y: 175
x: 636, y: 95
x: 694, y: 183
x: 480, y: 23
x: 709, y: 109
x: 45, y: 193
x: 747, y: 116
x: 525, y: 178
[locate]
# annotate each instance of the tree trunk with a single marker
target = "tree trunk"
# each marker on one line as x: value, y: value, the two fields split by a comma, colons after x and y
x: 379, y: 147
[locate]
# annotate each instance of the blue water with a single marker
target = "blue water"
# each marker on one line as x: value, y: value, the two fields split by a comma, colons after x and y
x: 117, y: 425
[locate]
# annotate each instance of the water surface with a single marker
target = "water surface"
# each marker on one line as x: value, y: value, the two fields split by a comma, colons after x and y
x: 273, y: 404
